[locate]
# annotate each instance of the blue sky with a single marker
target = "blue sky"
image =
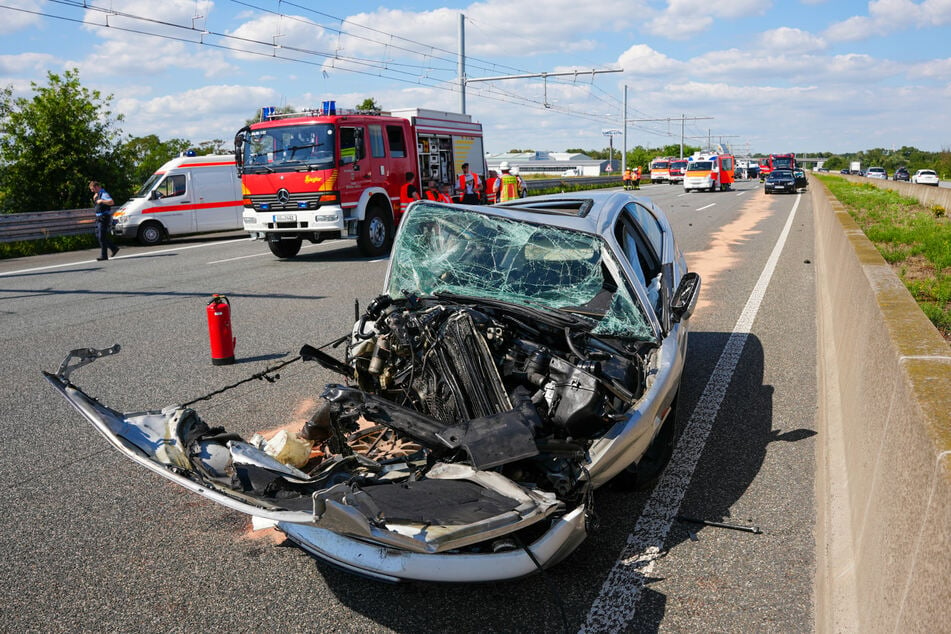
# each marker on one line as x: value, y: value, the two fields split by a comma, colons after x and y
x: 773, y: 75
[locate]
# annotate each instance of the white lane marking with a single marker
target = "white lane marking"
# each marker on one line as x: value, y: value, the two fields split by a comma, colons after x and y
x: 615, y: 607
x: 706, y: 207
x: 683, y: 194
x: 740, y: 193
x: 118, y: 257
x: 262, y: 254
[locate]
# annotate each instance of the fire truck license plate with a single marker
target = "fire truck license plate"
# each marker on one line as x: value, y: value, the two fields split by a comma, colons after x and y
x: 285, y: 218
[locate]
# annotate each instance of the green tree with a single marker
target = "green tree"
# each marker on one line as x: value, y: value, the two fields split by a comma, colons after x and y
x: 144, y: 155
x: 369, y: 104
x: 53, y: 144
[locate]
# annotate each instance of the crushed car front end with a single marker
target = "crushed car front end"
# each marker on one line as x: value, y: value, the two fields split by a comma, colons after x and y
x: 507, y: 371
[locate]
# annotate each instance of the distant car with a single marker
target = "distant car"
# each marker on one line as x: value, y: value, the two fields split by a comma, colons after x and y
x: 823, y: 170
x: 925, y: 177
x: 878, y: 173
x: 800, y: 177
x: 901, y: 174
x: 844, y: 170
x: 780, y: 181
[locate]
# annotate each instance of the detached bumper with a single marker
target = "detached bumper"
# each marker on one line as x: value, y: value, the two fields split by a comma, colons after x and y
x: 389, y: 564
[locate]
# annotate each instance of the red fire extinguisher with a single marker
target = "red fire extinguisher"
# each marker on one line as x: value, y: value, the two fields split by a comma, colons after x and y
x: 219, y: 330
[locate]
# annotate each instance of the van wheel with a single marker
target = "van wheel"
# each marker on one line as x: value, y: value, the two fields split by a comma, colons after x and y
x: 376, y: 233
x: 285, y: 249
x: 150, y: 233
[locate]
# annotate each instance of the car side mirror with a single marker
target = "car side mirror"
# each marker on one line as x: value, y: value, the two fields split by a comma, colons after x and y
x: 685, y: 297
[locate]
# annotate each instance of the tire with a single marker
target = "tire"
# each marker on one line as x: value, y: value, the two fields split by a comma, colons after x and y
x: 647, y: 471
x: 376, y: 233
x: 150, y: 233
x: 284, y: 249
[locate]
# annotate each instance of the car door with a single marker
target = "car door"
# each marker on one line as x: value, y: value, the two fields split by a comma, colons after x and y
x: 171, y: 203
x: 648, y: 248
x: 216, y: 207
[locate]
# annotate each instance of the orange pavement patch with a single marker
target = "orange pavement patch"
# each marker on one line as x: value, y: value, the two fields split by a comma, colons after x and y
x: 722, y: 254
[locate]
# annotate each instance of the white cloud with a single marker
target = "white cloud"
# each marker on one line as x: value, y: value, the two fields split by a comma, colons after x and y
x: 202, y: 114
x: 29, y: 63
x: 790, y: 39
x: 641, y: 59
x: 20, y: 15
x: 683, y: 19
x: 888, y: 16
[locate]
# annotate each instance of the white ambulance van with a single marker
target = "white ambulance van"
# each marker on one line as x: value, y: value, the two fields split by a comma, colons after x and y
x: 189, y: 194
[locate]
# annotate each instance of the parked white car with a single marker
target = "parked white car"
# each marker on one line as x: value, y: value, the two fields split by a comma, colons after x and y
x: 925, y: 177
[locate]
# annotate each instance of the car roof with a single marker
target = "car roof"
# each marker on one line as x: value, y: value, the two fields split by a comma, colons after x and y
x: 590, y: 211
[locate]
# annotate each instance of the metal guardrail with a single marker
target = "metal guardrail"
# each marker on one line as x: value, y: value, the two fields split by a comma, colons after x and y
x: 70, y: 222
x: 46, y: 224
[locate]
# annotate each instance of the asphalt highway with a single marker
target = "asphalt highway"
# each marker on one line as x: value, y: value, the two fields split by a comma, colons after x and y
x: 92, y: 542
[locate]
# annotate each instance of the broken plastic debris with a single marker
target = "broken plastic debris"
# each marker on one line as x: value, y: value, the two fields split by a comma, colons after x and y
x: 289, y: 449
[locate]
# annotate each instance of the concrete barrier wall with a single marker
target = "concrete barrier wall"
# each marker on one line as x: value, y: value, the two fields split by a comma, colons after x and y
x: 884, y: 481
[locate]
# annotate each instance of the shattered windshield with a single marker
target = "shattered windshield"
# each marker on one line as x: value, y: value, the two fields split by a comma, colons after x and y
x: 439, y: 249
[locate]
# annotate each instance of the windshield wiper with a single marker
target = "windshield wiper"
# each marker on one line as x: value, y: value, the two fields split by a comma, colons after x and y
x: 548, y: 314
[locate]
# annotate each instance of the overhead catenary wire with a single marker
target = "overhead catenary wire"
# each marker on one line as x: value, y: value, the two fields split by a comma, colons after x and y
x: 426, y: 73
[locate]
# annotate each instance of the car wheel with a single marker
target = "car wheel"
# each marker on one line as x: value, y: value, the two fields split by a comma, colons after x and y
x: 284, y: 249
x: 376, y: 233
x: 150, y: 233
x: 647, y: 471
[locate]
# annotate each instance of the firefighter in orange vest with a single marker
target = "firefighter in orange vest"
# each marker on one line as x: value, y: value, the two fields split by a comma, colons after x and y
x: 628, y: 175
x: 490, y: 188
x: 408, y: 192
x: 506, y: 186
x: 469, y: 186
x: 636, y: 178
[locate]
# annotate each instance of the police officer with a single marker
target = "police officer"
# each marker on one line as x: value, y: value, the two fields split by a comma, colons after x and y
x: 103, y: 202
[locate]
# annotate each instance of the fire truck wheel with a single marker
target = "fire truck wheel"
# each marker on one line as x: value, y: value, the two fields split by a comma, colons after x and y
x: 285, y: 249
x: 376, y: 233
x: 150, y: 233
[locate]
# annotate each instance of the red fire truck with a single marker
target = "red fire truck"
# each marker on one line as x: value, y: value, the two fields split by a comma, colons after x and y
x: 332, y: 174
x: 776, y: 162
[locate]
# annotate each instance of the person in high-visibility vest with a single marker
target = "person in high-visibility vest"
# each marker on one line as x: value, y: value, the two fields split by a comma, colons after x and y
x: 506, y: 187
x: 469, y: 186
x: 628, y: 175
x: 408, y: 192
x: 636, y: 177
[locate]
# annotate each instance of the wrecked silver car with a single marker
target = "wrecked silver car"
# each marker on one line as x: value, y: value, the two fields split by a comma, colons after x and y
x: 521, y: 356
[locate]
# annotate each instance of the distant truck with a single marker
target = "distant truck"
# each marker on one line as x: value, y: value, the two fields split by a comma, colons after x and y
x: 189, y: 194
x: 660, y: 170
x: 855, y: 167
x: 325, y: 174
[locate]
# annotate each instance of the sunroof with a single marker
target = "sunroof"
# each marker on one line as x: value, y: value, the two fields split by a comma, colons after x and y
x: 561, y: 206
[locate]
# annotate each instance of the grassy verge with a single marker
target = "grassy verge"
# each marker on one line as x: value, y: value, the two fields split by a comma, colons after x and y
x: 914, y: 239
x: 26, y: 248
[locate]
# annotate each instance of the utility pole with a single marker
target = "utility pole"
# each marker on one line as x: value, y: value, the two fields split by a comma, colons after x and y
x: 462, y: 63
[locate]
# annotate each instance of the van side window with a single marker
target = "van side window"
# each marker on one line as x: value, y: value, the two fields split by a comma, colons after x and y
x: 173, y: 185
x: 376, y: 141
x: 394, y: 134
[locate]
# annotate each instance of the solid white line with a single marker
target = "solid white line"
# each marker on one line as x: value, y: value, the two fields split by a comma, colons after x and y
x: 615, y: 607
x: 740, y: 193
x: 118, y: 257
x: 706, y: 206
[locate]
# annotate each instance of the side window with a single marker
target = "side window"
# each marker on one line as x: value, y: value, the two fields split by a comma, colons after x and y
x: 173, y: 185
x: 394, y: 134
x: 650, y: 227
x: 376, y: 141
x: 351, y: 145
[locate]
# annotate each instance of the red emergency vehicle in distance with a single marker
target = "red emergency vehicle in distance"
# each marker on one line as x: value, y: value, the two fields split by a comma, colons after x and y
x: 776, y: 162
x: 327, y: 174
